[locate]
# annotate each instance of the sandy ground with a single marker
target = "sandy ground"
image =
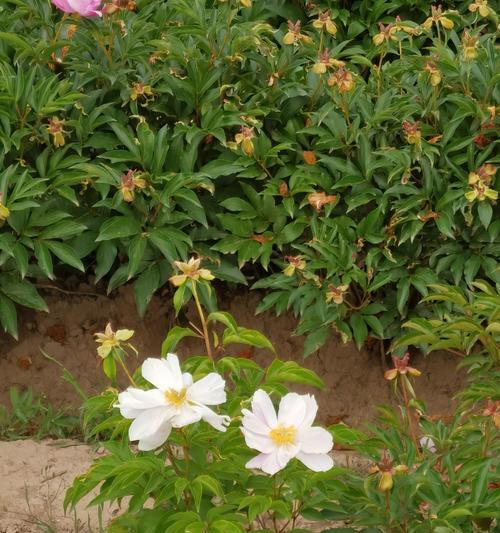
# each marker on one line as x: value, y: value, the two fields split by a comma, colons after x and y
x: 354, y: 379
x: 34, y: 477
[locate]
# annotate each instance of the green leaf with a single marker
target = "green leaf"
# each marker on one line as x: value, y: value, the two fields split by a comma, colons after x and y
x: 224, y: 318
x: 118, y: 227
x: 22, y: 292
x: 66, y: 254
x: 145, y: 287
x: 44, y: 258
x: 359, y: 329
x: 136, y: 251
x: 180, y: 485
x: 174, y: 336
x: 109, y: 368
x: 315, y: 340
x: 251, y: 337
x: 485, y: 212
x: 279, y: 371
x: 8, y: 316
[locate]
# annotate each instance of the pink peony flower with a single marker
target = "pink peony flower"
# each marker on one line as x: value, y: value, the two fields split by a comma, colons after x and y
x: 85, y: 8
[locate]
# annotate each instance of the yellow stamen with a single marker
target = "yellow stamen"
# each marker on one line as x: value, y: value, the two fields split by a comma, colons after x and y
x: 176, y: 398
x: 283, y: 435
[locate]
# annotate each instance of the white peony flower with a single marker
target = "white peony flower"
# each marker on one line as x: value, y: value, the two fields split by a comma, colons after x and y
x: 175, y: 402
x: 288, y: 435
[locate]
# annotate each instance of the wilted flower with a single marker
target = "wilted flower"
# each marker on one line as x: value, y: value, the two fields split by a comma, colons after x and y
x: 286, y: 436
x: 325, y: 22
x: 319, y: 199
x: 343, y: 79
x: 111, y: 339
x: 386, y: 33
x: 84, y: 8
x: 246, y: 3
x: 481, y: 6
x: 479, y: 182
x: 428, y: 444
x: 294, y: 35
x: 412, y: 132
x: 245, y: 139
x: 294, y: 263
x: 139, y: 89
x: 336, y: 294
x: 469, y: 45
x: 401, y: 367
x: 190, y: 270
x: 175, y: 402
x: 437, y: 17
x: 481, y: 141
x: 119, y: 5
x: 55, y: 128
x: 128, y: 183
x: 4, y: 212
x: 434, y: 72
x: 387, y: 470
x: 493, y: 409
x: 325, y: 62
x: 310, y: 157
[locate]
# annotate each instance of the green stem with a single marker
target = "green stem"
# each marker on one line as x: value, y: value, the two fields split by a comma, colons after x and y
x: 203, y: 321
x: 125, y: 369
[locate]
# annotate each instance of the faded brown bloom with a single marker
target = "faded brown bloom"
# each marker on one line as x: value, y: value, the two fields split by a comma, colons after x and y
x: 294, y: 263
x: 190, y: 270
x: 401, y: 367
x: 336, y: 294
x: 436, y: 18
x: 245, y: 139
x: 469, y: 46
x: 434, y: 73
x: 55, y: 128
x: 325, y: 22
x: 294, y: 35
x: 139, y: 89
x: 342, y: 78
x: 412, y: 132
x: 385, y: 467
x: 492, y: 409
x: 386, y: 34
x: 325, y: 62
x: 319, y: 199
x: 310, y: 157
x: 129, y: 182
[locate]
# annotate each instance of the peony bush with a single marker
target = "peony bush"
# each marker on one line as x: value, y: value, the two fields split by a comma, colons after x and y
x: 198, y: 427
x: 339, y: 158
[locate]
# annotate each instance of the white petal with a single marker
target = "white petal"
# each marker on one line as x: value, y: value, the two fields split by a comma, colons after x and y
x: 133, y: 401
x: 285, y: 453
x: 292, y: 410
x: 311, y: 410
x: 262, y: 443
x: 172, y: 362
x: 257, y: 461
x: 254, y: 424
x: 157, y: 372
x: 157, y: 438
x: 184, y: 416
x: 315, y: 440
x: 270, y: 465
x: 208, y: 390
x: 263, y: 408
x: 219, y: 422
x: 187, y: 379
x: 148, y: 422
x: 319, y: 462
